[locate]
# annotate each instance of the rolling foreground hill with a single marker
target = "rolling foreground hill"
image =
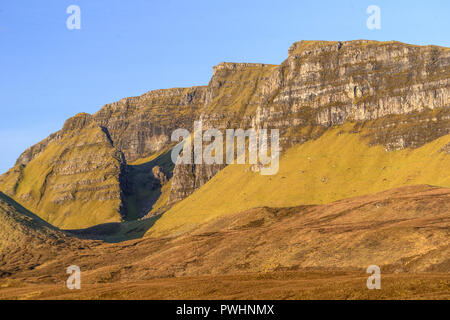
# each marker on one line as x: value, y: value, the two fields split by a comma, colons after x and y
x: 363, y: 180
x: 316, y: 251
x: 26, y: 241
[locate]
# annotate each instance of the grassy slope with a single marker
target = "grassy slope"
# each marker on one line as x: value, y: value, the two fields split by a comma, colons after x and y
x: 336, y: 166
x: 239, y: 90
x: 32, y: 189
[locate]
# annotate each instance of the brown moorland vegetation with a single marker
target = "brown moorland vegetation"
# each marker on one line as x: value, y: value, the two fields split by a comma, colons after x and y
x: 302, y: 252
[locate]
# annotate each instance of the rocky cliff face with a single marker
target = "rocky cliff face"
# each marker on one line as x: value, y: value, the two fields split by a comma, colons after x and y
x: 232, y: 98
x: 234, y: 94
x: 398, y: 94
x: 141, y: 126
x: 328, y: 83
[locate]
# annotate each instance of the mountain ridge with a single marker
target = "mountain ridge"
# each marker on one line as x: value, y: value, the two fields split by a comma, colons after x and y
x: 399, y: 93
x: 403, y: 230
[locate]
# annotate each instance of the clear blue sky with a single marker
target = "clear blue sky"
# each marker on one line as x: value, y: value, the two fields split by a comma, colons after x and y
x: 125, y: 48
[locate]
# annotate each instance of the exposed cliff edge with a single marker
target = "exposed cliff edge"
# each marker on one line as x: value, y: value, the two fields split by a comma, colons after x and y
x: 86, y: 173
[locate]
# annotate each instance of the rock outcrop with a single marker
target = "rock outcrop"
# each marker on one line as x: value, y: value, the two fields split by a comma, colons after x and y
x: 159, y: 175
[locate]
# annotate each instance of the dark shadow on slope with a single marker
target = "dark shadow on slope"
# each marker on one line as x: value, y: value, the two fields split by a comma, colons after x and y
x: 109, y: 232
x: 142, y: 188
x: 116, y: 231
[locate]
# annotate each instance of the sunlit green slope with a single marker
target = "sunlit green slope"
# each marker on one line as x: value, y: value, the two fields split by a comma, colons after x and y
x: 338, y: 165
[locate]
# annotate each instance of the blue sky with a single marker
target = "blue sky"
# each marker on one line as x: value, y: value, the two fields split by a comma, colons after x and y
x: 125, y: 48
